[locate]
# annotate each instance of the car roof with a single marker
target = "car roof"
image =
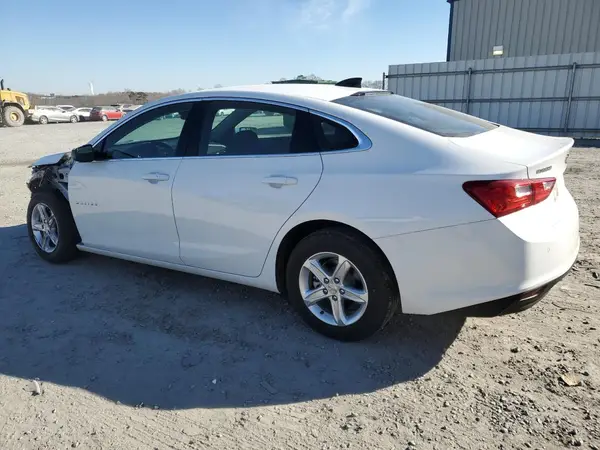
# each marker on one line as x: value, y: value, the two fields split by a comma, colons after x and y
x: 288, y: 92
x: 327, y: 92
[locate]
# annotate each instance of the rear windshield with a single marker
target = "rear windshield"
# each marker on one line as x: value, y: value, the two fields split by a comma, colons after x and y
x: 428, y: 117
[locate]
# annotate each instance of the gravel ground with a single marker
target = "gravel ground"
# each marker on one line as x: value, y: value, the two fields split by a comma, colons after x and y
x: 106, y: 354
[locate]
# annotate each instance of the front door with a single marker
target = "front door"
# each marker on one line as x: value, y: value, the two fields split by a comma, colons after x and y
x: 55, y: 115
x: 257, y: 165
x: 121, y: 202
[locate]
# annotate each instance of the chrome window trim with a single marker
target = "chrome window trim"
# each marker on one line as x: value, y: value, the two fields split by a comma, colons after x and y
x: 256, y: 100
x: 132, y: 115
x: 364, y: 143
x: 167, y: 158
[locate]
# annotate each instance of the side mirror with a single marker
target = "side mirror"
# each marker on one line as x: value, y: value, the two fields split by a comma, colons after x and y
x: 84, y: 154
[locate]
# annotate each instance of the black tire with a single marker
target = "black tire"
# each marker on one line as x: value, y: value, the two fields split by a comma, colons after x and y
x: 13, y: 116
x: 383, y: 293
x: 104, y: 118
x: 73, y: 119
x: 43, y: 120
x: 68, y: 237
x: 81, y: 118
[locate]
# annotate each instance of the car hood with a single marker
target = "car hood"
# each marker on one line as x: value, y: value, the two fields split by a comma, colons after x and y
x: 49, y: 160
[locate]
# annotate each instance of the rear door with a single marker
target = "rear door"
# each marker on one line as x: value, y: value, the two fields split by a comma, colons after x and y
x: 257, y: 164
x: 63, y: 116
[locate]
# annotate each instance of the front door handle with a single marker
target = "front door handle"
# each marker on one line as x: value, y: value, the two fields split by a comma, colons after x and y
x: 155, y: 177
x: 278, y: 181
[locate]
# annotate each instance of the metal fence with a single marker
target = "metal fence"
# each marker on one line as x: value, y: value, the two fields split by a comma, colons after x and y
x: 551, y: 94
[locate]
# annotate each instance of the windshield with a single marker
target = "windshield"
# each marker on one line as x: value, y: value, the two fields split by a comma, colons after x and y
x: 428, y: 117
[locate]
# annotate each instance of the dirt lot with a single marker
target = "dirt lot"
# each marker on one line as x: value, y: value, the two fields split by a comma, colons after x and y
x: 134, y: 357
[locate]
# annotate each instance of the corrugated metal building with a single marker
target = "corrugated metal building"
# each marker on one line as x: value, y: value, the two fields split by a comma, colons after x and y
x: 522, y: 28
x: 550, y: 94
x: 529, y: 64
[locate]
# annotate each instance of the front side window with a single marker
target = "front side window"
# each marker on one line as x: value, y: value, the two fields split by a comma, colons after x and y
x: 428, y: 117
x: 154, y: 134
x: 248, y: 128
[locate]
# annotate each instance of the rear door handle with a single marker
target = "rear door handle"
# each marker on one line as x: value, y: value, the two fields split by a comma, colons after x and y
x: 155, y: 177
x: 278, y: 181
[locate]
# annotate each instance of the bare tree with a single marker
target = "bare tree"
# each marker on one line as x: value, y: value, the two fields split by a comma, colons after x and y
x: 139, y: 98
x: 373, y: 84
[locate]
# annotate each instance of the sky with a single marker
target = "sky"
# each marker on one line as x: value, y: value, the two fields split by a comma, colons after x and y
x: 151, y: 45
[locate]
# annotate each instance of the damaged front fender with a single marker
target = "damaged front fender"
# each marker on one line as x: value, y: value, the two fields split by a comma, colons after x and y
x: 51, y: 173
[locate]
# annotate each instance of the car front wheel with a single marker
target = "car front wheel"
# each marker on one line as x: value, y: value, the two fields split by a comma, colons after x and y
x: 51, y: 227
x: 340, y: 285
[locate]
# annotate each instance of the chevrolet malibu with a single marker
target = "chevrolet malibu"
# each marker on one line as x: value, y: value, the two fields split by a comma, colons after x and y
x: 354, y: 203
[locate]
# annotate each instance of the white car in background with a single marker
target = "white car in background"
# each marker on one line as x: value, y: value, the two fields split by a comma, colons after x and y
x: 130, y: 108
x: 83, y: 114
x: 225, y: 112
x: 47, y: 114
x: 355, y: 203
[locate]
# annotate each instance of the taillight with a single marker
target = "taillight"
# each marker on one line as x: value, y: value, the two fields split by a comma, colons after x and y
x: 502, y: 197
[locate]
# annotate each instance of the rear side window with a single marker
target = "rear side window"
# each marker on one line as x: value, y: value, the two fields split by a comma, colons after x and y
x: 332, y: 136
x: 240, y: 128
x: 428, y: 117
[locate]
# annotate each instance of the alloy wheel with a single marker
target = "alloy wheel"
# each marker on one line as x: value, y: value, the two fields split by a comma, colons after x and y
x: 44, y: 227
x: 333, y: 289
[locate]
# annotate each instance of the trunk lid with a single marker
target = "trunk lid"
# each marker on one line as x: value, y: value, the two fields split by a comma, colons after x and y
x: 543, y: 156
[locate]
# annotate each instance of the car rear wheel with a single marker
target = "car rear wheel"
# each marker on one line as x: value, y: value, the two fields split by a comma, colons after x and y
x: 340, y: 285
x: 73, y: 119
x: 43, y: 120
x: 51, y: 227
x: 104, y: 118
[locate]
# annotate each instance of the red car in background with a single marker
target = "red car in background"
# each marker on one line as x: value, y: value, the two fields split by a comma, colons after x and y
x: 105, y: 113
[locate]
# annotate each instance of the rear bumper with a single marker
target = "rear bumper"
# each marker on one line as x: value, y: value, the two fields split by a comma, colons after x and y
x: 504, y: 267
x: 512, y: 304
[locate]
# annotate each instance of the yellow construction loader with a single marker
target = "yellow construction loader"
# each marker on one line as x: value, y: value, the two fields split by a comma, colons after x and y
x: 14, y: 107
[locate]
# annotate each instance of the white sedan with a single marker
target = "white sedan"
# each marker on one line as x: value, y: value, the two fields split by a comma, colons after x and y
x: 47, y: 114
x: 354, y: 203
x: 83, y: 114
